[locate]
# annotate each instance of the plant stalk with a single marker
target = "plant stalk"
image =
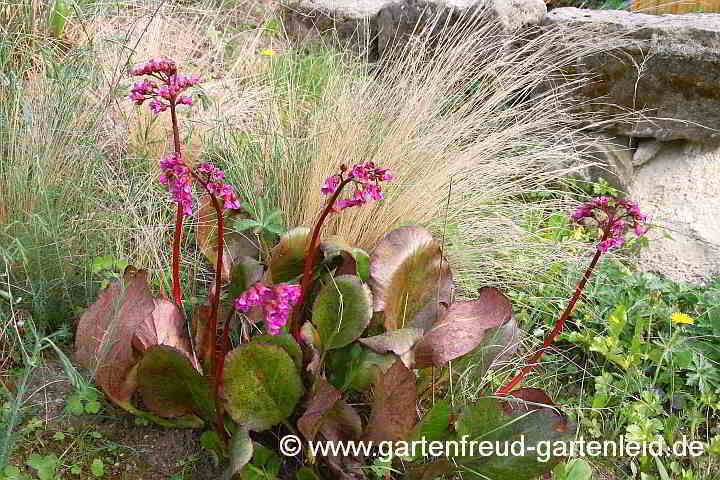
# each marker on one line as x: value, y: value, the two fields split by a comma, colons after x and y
x: 217, y: 346
x: 177, y: 237
x: 309, y: 257
x: 532, y: 363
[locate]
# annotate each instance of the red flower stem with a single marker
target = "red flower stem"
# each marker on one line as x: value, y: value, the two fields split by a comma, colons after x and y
x: 532, y: 363
x: 307, y: 270
x: 177, y: 237
x: 217, y: 355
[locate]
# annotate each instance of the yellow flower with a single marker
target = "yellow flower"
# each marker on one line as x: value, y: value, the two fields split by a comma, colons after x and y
x: 678, y: 317
x: 268, y: 52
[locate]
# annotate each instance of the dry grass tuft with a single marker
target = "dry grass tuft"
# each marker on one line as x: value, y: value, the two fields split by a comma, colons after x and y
x: 471, y: 132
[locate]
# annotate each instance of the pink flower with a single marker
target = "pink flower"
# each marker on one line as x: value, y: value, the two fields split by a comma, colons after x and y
x: 177, y: 175
x: 230, y: 200
x: 331, y: 184
x: 165, y: 67
x: 172, y: 84
x: 614, y: 217
x: 366, y: 177
x: 211, y: 170
x: 277, y: 303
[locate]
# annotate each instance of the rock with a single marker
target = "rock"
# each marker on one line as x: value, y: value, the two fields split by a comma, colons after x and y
x: 646, y: 150
x: 612, y: 155
x: 665, y: 65
x: 680, y: 188
x: 370, y: 27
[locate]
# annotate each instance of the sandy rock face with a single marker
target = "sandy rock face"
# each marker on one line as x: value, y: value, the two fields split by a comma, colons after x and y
x: 680, y: 187
x: 666, y: 67
x: 370, y: 27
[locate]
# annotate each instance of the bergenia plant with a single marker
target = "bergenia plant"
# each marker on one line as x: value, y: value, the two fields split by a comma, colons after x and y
x: 612, y: 217
x: 338, y: 321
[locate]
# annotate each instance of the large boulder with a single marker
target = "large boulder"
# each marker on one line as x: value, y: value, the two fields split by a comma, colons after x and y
x: 665, y: 66
x: 371, y: 27
x: 680, y: 187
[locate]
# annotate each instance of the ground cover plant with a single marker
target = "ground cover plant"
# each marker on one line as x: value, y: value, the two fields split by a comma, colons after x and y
x: 81, y: 201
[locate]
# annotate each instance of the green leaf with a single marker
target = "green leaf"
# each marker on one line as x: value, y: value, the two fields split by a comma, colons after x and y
x: 356, y: 367
x: 362, y: 264
x: 246, y: 272
x: 93, y: 406
x: 210, y: 441
x: 305, y: 473
x: 76, y: 470
x: 410, y: 280
x: 287, y: 342
x: 435, y: 425
x: 170, y: 386
x: 262, y: 385
x: 287, y: 258
x: 45, y: 465
x: 74, y: 404
x: 241, y: 451
x: 617, y: 321
x: 489, y: 419
x: 275, y: 228
x: 97, y: 467
x: 59, y: 436
x: 243, y: 224
x: 577, y: 469
x: 342, y: 311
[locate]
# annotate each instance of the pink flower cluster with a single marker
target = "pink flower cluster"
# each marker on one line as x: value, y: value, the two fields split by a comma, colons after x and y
x: 178, y: 176
x: 366, y: 177
x: 277, y: 302
x: 165, y: 94
x: 614, y: 216
x: 219, y: 189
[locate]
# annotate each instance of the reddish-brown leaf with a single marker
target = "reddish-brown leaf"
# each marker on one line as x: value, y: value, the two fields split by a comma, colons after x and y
x: 328, y: 414
x: 105, y: 332
x: 166, y: 326
x: 463, y: 328
x: 518, y: 400
x: 393, y: 410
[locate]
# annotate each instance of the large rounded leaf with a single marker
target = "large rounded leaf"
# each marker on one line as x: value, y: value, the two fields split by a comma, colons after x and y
x: 393, y: 410
x: 342, y: 311
x: 262, y: 385
x: 287, y: 342
x: 496, y: 421
x: 287, y: 258
x: 170, y: 386
x: 166, y: 326
x: 410, y: 280
x: 104, y: 335
x: 464, y: 327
